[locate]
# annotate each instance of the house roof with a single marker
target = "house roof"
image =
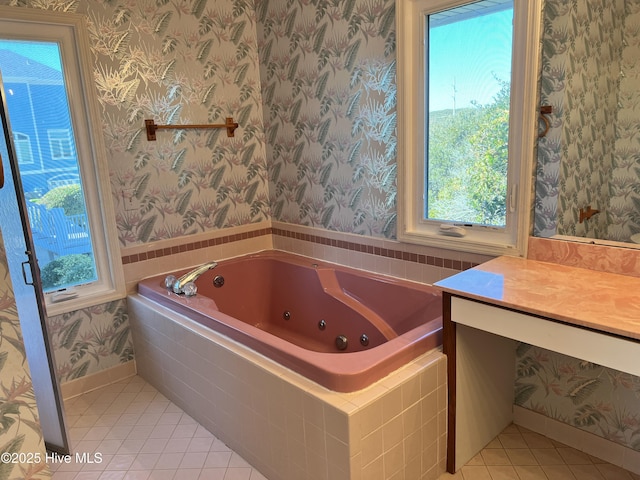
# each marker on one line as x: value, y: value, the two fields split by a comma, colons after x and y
x: 19, y: 69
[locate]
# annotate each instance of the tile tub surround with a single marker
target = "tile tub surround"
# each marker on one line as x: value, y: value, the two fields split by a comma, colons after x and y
x: 389, y: 257
x: 285, y: 425
x: 142, y: 261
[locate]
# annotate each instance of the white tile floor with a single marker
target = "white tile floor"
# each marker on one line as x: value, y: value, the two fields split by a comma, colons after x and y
x: 520, y: 454
x: 141, y: 435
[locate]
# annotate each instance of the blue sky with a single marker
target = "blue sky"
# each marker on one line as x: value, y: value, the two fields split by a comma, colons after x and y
x: 43, y: 52
x: 468, y: 54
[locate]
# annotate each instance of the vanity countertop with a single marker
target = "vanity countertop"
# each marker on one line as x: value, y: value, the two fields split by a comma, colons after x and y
x: 601, y: 301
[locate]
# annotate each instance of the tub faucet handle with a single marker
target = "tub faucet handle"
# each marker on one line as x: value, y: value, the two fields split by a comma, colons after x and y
x: 192, y: 276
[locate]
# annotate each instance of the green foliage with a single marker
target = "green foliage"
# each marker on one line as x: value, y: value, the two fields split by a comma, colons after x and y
x: 489, y: 170
x: 68, y: 270
x: 467, y: 167
x: 67, y: 197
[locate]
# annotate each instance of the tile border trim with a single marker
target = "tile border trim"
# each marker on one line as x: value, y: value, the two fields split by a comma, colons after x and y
x: 377, y: 251
x: 187, y: 247
x: 306, y: 237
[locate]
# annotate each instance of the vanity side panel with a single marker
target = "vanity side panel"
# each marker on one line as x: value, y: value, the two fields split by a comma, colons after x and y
x: 485, y: 372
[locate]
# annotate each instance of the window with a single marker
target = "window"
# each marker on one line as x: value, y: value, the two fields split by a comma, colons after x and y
x: 22, y: 144
x: 60, y: 144
x: 44, y: 62
x: 467, y: 124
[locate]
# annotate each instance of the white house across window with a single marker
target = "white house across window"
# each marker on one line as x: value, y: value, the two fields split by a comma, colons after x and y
x: 22, y: 143
x: 60, y: 144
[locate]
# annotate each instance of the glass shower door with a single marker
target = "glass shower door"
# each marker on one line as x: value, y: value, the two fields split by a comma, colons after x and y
x: 25, y: 277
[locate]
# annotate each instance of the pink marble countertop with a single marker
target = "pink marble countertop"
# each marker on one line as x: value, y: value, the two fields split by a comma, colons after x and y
x: 602, y: 301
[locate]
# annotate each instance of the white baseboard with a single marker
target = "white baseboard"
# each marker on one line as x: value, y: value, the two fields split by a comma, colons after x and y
x: 582, y: 440
x: 96, y: 380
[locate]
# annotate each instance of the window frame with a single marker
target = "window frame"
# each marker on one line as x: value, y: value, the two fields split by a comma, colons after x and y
x: 412, y: 228
x: 71, y: 33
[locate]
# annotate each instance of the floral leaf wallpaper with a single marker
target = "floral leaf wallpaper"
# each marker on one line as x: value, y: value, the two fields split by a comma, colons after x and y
x: 594, y: 127
x: 329, y: 93
x: 624, y: 209
x: 588, y: 396
x: 19, y: 425
x: 180, y: 63
x: 90, y: 340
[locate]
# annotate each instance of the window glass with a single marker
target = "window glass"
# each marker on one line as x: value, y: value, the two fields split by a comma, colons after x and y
x: 468, y: 96
x: 37, y: 102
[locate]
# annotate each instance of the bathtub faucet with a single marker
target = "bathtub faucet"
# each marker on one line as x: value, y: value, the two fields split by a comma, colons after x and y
x: 192, y: 276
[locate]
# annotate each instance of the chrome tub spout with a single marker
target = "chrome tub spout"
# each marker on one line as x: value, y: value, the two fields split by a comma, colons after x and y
x: 192, y: 276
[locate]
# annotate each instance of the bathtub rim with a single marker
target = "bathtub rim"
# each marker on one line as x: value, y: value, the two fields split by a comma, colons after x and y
x: 357, y: 397
x: 297, y: 259
x: 339, y: 372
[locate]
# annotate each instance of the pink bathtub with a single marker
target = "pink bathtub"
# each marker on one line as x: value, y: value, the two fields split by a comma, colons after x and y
x: 340, y: 327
